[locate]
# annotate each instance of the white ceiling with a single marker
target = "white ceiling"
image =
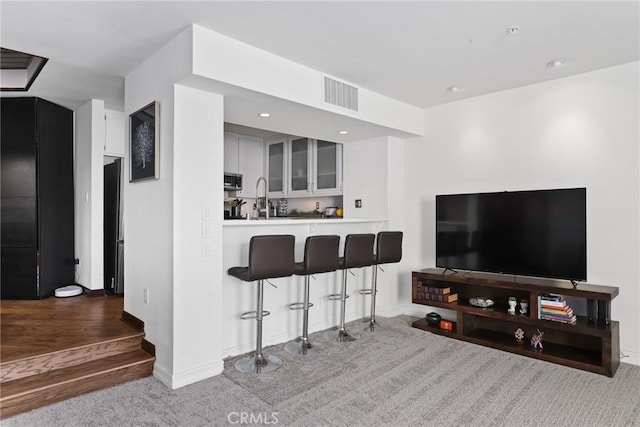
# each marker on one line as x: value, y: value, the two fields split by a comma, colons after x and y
x: 411, y: 51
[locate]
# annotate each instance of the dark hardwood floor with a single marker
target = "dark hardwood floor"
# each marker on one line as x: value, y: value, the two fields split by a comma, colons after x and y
x: 58, y: 348
x: 29, y: 328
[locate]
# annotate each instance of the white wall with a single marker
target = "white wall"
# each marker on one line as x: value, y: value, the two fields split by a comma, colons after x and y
x: 246, y: 66
x: 580, y: 131
x: 197, y: 236
x: 365, y: 173
x: 149, y: 214
x: 89, y: 201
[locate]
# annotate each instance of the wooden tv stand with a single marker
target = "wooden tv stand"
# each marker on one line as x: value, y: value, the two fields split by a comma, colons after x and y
x: 591, y: 344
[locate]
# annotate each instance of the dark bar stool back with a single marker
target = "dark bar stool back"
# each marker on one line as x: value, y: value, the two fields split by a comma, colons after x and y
x: 320, y: 256
x: 270, y: 256
x: 358, y: 252
x: 388, y: 250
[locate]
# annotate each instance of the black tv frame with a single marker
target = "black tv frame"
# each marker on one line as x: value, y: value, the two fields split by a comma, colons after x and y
x: 459, y: 260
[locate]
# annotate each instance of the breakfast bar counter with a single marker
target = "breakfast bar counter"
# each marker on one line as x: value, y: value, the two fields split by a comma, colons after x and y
x: 284, y: 324
x: 297, y: 221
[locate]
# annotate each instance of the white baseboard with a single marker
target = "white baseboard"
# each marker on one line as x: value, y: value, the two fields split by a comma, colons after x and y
x: 631, y: 357
x: 190, y: 376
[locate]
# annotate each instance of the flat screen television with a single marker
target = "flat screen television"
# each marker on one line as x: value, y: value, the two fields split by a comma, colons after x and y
x: 539, y: 233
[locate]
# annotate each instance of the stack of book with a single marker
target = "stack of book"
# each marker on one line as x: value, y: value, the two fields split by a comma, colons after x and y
x: 433, y: 293
x: 554, y: 307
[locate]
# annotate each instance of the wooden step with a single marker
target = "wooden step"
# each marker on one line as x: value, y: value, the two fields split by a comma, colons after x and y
x: 43, y: 389
x: 34, y: 365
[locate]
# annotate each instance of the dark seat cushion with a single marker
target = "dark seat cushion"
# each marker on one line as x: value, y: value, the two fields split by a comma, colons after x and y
x: 241, y: 273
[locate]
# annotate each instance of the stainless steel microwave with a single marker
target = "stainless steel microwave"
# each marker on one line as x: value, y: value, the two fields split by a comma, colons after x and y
x: 232, y: 181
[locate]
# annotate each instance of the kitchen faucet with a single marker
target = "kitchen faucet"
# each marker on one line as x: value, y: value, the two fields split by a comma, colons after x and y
x: 266, y: 198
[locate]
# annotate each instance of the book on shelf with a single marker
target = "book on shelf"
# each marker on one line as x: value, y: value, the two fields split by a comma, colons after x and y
x: 438, y: 291
x: 554, y: 307
x: 549, y: 310
x: 556, y: 304
x: 571, y: 321
x: 552, y: 300
x: 441, y: 298
x: 552, y: 297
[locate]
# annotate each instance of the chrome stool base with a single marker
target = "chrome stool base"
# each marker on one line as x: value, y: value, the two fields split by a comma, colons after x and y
x: 262, y: 365
x: 299, y: 348
x: 339, y: 335
x: 372, y: 324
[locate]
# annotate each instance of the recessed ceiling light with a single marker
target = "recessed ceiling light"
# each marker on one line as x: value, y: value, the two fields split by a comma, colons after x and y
x: 513, y: 29
x: 264, y: 115
x: 453, y: 89
x: 556, y: 63
x: 343, y: 132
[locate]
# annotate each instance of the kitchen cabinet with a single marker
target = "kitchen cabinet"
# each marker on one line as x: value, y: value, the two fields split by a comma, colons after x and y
x: 276, y: 167
x: 299, y: 152
x: 244, y: 155
x: 230, y: 153
x: 114, y: 133
x: 327, y: 168
x: 299, y: 167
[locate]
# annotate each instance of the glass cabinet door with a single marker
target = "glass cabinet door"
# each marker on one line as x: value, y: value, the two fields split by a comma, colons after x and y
x: 328, y: 167
x: 299, y: 165
x: 275, y: 167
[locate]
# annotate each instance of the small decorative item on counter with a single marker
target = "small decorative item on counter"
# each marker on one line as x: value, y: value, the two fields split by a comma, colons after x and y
x: 519, y: 335
x: 536, y: 339
x: 339, y: 212
x: 433, y: 319
x: 524, y: 306
x: 512, y: 305
x: 283, y: 209
x: 446, y: 325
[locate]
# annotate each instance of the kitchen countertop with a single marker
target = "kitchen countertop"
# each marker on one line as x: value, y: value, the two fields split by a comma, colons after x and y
x: 297, y: 220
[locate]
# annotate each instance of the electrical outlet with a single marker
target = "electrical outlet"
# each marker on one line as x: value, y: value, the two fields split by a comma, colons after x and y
x: 145, y: 295
x: 317, y: 205
x: 358, y: 203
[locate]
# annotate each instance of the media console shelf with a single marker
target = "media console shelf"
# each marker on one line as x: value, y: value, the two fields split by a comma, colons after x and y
x: 592, y: 344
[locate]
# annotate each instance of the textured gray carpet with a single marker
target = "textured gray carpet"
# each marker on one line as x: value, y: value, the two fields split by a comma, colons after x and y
x: 396, y: 376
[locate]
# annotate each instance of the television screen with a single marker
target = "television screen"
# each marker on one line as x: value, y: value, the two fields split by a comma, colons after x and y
x: 534, y: 233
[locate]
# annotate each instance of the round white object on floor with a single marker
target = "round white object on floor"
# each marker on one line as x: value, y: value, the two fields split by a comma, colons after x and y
x: 68, y: 291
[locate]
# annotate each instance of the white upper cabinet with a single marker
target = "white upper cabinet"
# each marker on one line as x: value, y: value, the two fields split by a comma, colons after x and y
x: 114, y: 133
x: 327, y: 168
x: 231, y: 157
x: 250, y: 164
x: 299, y: 167
x: 299, y: 151
x: 276, y: 167
x: 244, y: 155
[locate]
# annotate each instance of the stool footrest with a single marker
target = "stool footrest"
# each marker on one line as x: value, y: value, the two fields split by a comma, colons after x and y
x: 298, y: 306
x: 366, y: 291
x: 336, y: 297
x: 253, y: 314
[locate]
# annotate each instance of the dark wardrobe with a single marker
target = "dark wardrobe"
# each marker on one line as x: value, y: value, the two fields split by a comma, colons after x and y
x: 37, y: 198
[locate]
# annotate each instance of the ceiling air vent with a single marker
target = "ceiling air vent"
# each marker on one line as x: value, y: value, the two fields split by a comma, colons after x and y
x: 340, y: 94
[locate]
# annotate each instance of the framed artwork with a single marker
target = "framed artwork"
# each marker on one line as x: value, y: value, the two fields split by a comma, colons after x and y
x: 144, y: 130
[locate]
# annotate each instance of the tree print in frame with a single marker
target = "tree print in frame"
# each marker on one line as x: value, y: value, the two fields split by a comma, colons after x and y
x: 144, y: 127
